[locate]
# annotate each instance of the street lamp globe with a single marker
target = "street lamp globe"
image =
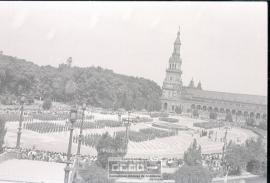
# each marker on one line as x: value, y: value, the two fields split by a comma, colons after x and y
x: 73, y: 115
x: 22, y: 100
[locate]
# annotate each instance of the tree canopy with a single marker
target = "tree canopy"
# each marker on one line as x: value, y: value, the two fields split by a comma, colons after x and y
x: 192, y: 170
x: 97, y: 86
x: 108, y: 146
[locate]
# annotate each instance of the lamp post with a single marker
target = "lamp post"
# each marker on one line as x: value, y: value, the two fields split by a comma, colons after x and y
x: 127, y: 124
x: 19, y: 133
x: 72, y: 118
x: 81, y: 130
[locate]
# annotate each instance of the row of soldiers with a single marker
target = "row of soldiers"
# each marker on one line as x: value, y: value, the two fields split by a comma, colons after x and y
x: 45, y: 127
x: 98, y: 124
x: 52, y: 127
x: 88, y: 139
x: 146, y: 134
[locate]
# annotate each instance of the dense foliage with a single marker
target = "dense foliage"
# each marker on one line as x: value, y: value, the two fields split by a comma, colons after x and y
x: 192, y: 170
x: 251, y: 156
x: 92, y: 173
x: 96, y: 86
x: 108, y: 146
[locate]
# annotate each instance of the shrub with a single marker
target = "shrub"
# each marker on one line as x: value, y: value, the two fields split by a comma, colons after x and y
x: 213, y: 115
x: 209, y: 125
x: 171, y: 120
x: 178, y: 110
x: 263, y: 125
x: 160, y: 114
x: 229, y: 117
x: 47, y: 104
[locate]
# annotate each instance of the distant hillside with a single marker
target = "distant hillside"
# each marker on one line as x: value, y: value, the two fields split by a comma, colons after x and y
x: 97, y: 86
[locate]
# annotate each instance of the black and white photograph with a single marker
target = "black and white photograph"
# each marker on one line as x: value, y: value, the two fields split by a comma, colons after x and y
x: 133, y: 91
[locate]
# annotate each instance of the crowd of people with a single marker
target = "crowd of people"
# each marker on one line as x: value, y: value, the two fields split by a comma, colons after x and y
x: 213, y: 161
x: 48, y: 156
x: 32, y: 154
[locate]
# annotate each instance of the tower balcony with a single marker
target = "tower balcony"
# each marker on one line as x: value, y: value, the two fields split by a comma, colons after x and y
x: 174, y: 70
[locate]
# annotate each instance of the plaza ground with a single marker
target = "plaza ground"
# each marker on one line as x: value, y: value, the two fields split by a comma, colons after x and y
x: 173, y: 146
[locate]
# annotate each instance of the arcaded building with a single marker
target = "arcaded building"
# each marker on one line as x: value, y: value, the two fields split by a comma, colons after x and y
x: 175, y: 96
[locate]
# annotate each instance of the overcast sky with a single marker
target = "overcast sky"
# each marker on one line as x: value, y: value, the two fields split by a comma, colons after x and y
x: 224, y: 44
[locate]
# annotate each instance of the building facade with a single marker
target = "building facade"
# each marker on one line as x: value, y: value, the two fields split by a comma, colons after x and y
x: 179, y: 98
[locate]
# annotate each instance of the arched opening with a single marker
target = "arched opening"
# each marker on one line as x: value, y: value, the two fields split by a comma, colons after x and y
x: 221, y: 110
x: 233, y: 111
x: 228, y: 111
x: 239, y: 113
x: 165, y: 106
x: 198, y: 107
x: 210, y: 108
x: 172, y: 107
x: 204, y: 108
x: 193, y: 106
x: 258, y: 116
x: 216, y: 109
x: 251, y: 115
x: 246, y: 114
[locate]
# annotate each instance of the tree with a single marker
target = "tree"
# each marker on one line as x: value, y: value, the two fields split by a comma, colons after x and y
x: 213, y: 115
x: 192, y: 156
x: 235, y: 158
x: 110, y: 147
x: 3, y: 131
x: 93, y: 174
x: 178, y: 110
x: 192, y: 174
x: 47, y: 104
x: 195, y: 113
x: 255, y: 156
x: 250, y: 121
x: 229, y: 117
x: 192, y: 170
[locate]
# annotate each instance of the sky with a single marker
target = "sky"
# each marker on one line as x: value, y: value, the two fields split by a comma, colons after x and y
x: 224, y: 44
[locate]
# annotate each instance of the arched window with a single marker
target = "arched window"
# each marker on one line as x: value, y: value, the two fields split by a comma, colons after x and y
x: 258, y: 116
x: 245, y: 113
x: 172, y: 107
x: 216, y: 109
x: 210, y: 108
x: 251, y: 114
x: 193, y: 106
x: 198, y: 107
x: 233, y: 111
x: 227, y: 110
x: 204, y: 108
